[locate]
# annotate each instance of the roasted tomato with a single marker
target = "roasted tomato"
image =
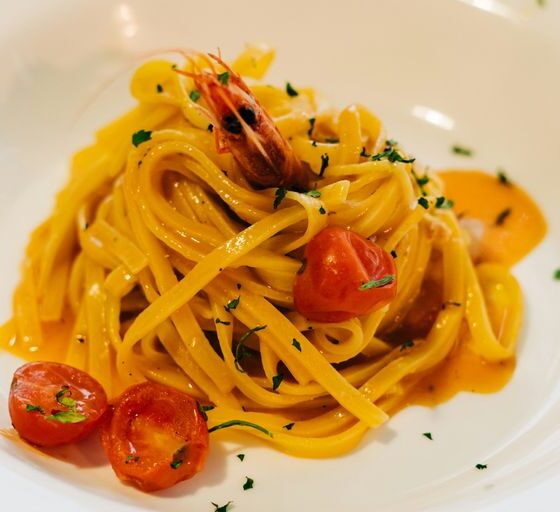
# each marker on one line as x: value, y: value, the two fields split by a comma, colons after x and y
x: 344, y: 275
x: 156, y: 438
x: 52, y: 404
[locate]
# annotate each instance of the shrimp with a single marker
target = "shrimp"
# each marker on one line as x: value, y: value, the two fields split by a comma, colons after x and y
x: 244, y: 128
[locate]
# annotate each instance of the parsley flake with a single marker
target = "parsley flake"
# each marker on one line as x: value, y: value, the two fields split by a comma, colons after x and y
x: 218, y: 321
x: 443, y: 203
x: 311, y: 125
x: 503, y: 178
x: 461, y: 150
x: 210, y: 128
x: 159, y: 88
x: 290, y: 90
x: 407, y: 344
x: 223, y: 508
x: 131, y: 458
x: 241, y: 351
x: 194, y: 95
x: 141, y: 136
x: 289, y: 426
x: 557, y: 274
x: 423, y: 202
x: 428, y: 435
x: 67, y: 417
x: 394, y: 254
x: 276, y: 381
x: 279, y: 195
x: 248, y: 484
x: 377, y: 283
x: 324, y: 163
x: 481, y: 466
x: 322, y: 211
x: 203, y: 409
x: 223, y: 78
x: 33, y: 408
x: 240, y: 423
x: 296, y: 344
x: 178, y: 457
x: 232, y: 304
x: 313, y: 193
x: 502, y: 216
x: 241, y: 456
x: 393, y: 156
x: 65, y: 400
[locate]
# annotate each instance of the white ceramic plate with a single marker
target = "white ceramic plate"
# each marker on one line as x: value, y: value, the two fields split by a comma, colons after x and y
x: 482, y: 73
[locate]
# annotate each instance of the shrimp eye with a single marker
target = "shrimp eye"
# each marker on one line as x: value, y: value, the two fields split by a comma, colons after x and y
x: 248, y: 115
x: 232, y: 124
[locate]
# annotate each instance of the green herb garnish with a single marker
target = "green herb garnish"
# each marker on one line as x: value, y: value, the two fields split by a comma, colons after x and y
x: 296, y: 344
x: 423, y: 202
x: 241, y: 456
x: 394, y: 254
x: 223, y: 78
x: 557, y: 274
x: 33, y: 408
x: 443, y: 203
x: 210, y: 128
x: 223, y: 508
x: 248, y: 484
x: 65, y: 400
x: 324, y: 163
x: 289, y: 426
x: 159, y: 88
x: 232, y: 304
x: 241, y: 423
x: 240, y: 350
x: 428, y: 435
x: 131, y: 458
x: 311, y: 126
x: 141, y: 136
x: 279, y: 195
x: 481, y: 466
x: 502, y: 216
x: 313, y: 193
x: 377, y: 283
x: 218, y: 321
x: 393, y: 156
x: 461, y: 150
x: 194, y: 95
x: 203, y: 409
x: 503, y: 178
x: 290, y: 90
x: 322, y: 211
x: 67, y: 417
x: 407, y: 344
x: 276, y: 381
x: 178, y: 457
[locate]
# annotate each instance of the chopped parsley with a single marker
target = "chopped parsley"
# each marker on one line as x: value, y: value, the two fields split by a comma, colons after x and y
x: 428, y: 435
x: 557, y: 274
x: 394, y: 254
x: 290, y: 90
x: 67, y: 417
x: 248, y: 484
x: 279, y: 195
x: 364, y: 153
x: 232, y: 304
x: 423, y: 202
x: 33, y: 408
x: 194, y: 95
x: 322, y: 211
x: 451, y: 303
x: 240, y: 423
x: 159, y: 88
x: 241, y: 350
x: 311, y: 126
x: 377, y: 283
x: 65, y: 400
x: 289, y: 426
x: 324, y: 163
x: 314, y: 143
x: 178, y: 457
x: 393, y: 156
x: 223, y: 508
x: 461, y: 150
x: 421, y: 181
x: 407, y: 344
x: 203, y: 409
x: 131, y: 458
x: 296, y: 344
x: 503, y: 178
x: 210, y: 128
x: 276, y: 381
x: 141, y: 136
x: 241, y: 456
x: 218, y: 321
x: 502, y: 216
x: 481, y: 466
x: 443, y: 203
x: 223, y: 78
x: 313, y: 193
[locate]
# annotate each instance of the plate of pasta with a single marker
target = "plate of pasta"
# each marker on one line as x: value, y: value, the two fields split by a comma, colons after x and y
x: 320, y: 272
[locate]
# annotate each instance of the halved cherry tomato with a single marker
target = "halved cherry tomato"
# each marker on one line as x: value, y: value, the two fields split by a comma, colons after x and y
x: 52, y: 403
x: 338, y: 263
x: 156, y: 438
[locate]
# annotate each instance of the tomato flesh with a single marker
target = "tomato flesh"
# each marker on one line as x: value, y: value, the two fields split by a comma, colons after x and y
x: 156, y: 438
x: 337, y: 263
x: 53, y: 404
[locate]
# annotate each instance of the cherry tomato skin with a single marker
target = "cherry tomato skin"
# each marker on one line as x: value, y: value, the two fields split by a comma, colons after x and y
x: 53, y: 404
x: 156, y: 438
x: 337, y: 263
